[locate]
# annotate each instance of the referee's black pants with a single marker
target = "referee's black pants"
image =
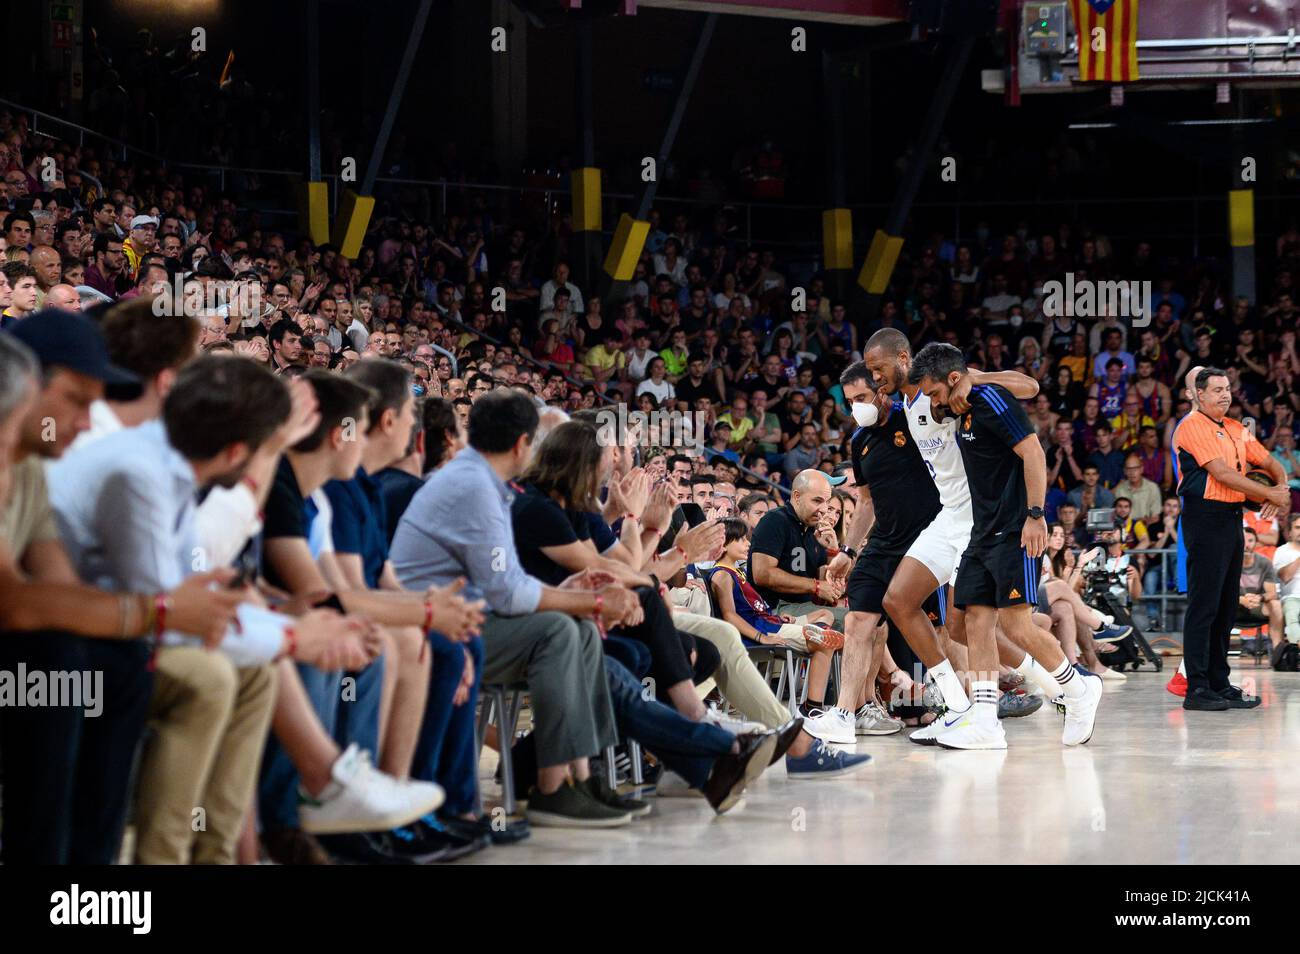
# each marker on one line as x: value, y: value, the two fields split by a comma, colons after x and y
x: 1212, y: 533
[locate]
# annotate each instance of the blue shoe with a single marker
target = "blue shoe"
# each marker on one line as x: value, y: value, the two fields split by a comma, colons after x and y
x: 824, y: 761
x: 1111, y: 634
x: 1082, y: 670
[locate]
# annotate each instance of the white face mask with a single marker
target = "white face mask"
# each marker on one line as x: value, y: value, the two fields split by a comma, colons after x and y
x: 865, y: 414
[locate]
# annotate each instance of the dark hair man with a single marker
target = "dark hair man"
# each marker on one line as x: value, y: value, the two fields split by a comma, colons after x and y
x: 998, y: 578
x: 1213, y: 454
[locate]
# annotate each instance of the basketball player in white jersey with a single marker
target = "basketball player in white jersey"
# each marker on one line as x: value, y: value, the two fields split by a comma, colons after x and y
x: 933, y: 558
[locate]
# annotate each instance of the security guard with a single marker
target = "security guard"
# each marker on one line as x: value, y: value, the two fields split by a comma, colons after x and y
x: 1214, y: 453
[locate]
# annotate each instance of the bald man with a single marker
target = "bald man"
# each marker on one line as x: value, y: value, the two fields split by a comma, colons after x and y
x: 48, y: 264
x: 786, y: 561
x: 63, y: 296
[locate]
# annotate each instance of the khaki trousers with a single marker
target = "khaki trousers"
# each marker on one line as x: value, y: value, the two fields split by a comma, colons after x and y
x: 737, y: 677
x: 197, y: 777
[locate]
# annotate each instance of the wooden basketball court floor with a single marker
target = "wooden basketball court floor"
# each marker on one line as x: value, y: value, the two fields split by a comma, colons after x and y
x: 1156, y: 785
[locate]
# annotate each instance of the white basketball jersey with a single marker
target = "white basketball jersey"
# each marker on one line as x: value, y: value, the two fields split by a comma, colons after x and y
x: 937, y: 441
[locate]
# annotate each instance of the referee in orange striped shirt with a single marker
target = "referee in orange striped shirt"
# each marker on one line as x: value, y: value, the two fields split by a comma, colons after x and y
x: 1214, y: 453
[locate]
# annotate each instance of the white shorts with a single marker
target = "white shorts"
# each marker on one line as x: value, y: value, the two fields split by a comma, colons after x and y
x: 941, y: 544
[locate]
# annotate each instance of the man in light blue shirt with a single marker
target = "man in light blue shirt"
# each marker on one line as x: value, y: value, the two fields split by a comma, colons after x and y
x: 458, y: 525
x: 126, y: 506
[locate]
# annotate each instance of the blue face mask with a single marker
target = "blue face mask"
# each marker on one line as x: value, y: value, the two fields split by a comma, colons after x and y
x: 418, y: 390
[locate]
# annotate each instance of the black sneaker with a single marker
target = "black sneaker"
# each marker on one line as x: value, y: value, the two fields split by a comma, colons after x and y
x: 428, y: 840
x: 1205, y: 700
x: 731, y: 773
x: 571, y: 806
x: 598, y: 790
x: 507, y: 831
x: 367, y: 848
x: 1236, y: 699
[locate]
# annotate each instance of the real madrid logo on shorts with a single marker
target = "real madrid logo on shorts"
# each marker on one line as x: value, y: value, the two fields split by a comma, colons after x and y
x: 899, y: 439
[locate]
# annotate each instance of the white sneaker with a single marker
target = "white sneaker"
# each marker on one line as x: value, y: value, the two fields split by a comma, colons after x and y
x: 715, y: 716
x: 926, y: 735
x: 968, y: 732
x: 873, y: 720
x: 1081, y: 714
x: 362, y: 798
x: 832, y: 725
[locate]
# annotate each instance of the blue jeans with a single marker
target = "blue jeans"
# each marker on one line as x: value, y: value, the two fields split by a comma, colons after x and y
x: 688, y: 748
x: 445, y: 752
x: 354, y: 720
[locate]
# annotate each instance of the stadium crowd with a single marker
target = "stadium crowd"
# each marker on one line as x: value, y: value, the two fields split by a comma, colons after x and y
x: 298, y: 509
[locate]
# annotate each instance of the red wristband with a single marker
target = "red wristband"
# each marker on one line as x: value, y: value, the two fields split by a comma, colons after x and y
x: 817, y: 584
x: 290, y: 642
x: 428, y: 615
x: 160, y: 603
x: 630, y: 516
x: 683, y: 553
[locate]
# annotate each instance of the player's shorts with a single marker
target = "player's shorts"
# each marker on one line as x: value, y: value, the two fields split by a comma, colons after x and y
x: 870, y: 579
x: 998, y: 574
x: 939, y: 546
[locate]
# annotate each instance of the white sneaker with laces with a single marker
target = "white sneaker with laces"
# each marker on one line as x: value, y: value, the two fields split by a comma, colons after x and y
x: 362, y: 798
x: 831, y: 725
x: 873, y: 720
x: 927, y: 735
x: 972, y: 733
x: 715, y: 716
x: 1081, y: 714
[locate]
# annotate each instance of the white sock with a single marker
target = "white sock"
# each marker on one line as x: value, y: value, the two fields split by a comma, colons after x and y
x: 1070, y: 681
x: 1039, y: 676
x: 985, y: 702
x: 945, y: 677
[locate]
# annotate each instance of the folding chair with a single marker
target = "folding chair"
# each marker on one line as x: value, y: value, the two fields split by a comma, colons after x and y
x: 505, y: 702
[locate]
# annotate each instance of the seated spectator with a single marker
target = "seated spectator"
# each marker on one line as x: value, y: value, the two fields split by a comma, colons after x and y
x: 1141, y: 492
x: 1286, y: 561
x: 1107, y: 458
x: 1259, y: 602
x: 1090, y: 494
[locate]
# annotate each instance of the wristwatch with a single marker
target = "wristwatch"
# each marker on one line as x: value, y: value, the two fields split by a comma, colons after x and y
x: 1035, y: 513
x: 853, y: 554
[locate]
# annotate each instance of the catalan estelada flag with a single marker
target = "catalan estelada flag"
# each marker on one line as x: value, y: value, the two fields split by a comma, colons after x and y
x: 1108, y: 32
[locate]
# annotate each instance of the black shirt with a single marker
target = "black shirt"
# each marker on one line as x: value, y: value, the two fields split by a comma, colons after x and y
x: 887, y: 462
x: 994, y: 425
x: 285, y: 514
x: 540, y: 522
x: 791, y: 542
x: 686, y: 390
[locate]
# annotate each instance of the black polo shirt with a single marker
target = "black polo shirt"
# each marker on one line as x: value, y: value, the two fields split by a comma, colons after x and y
x: 782, y: 535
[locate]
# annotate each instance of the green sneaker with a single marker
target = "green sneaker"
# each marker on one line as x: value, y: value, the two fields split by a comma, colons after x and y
x: 572, y: 806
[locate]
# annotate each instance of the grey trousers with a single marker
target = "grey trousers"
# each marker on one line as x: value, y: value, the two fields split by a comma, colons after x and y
x: 563, y: 663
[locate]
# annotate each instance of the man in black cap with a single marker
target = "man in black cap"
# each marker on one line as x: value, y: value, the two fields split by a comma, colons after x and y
x: 75, y: 366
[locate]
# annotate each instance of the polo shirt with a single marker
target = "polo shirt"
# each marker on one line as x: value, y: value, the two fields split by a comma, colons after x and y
x: 786, y: 538
x: 1199, y: 439
x: 740, y: 426
x: 360, y: 522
